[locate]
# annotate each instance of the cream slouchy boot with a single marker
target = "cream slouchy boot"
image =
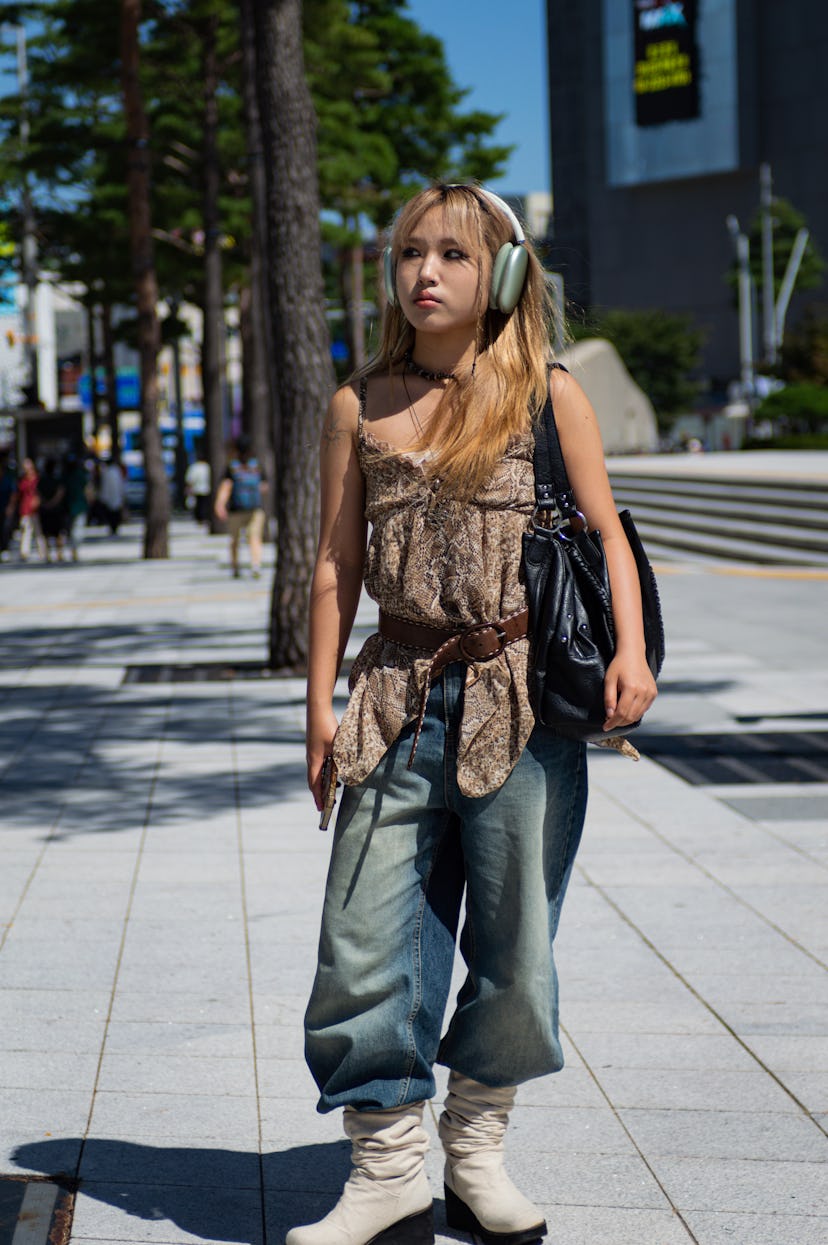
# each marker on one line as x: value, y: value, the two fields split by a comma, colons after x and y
x: 480, y: 1197
x: 387, y: 1198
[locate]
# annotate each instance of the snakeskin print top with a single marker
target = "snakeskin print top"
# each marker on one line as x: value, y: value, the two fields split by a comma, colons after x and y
x: 435, y: 560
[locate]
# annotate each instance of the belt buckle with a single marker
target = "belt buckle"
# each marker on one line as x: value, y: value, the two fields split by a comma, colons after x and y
x: 471, y: 658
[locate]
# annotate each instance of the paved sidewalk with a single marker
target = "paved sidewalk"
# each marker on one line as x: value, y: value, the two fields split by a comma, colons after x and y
x: 162, y: 878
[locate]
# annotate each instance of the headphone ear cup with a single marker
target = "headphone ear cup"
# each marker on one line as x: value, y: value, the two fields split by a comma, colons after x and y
x: 508, y: 277
x: 389, y: 276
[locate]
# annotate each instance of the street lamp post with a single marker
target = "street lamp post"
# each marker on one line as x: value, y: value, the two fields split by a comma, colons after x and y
x: 742, y: 244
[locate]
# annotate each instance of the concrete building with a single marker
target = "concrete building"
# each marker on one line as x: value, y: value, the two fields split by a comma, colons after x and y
x: 661, y: 115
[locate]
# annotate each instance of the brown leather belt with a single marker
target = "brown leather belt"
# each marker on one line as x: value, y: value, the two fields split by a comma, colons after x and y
x: 479, y: 643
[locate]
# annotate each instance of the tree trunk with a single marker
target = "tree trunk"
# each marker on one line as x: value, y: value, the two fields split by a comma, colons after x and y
x: 212, y: 343
x: 92, y: 351
x: 111, y: 374
x: 146, y: 284
x: 305, y: 377
x: 261, y: 407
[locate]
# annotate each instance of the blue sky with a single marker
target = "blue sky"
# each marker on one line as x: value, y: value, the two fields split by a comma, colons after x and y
x: 498, y: 49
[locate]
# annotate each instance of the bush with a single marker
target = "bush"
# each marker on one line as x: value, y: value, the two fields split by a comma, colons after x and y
x: 799, y: 408
x: 660, y: 349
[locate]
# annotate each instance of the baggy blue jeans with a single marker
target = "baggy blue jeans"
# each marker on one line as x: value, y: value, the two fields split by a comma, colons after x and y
x: 406, y: 844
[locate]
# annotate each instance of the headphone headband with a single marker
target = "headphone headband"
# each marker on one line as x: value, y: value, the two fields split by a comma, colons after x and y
x: 517, y: 228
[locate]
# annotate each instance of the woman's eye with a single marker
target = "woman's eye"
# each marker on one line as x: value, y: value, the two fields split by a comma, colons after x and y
x: 454, y: 253
x: 409, y: 252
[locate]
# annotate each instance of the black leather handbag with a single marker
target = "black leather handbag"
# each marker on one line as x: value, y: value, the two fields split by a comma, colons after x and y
x: 571, y: 627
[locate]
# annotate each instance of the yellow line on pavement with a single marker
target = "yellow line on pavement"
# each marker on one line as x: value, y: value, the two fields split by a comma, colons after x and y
x: 744, y: 572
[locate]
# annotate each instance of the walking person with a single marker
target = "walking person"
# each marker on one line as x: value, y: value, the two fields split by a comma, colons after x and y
x: 53, y: 512
x: 28, y: 503
x: 239, y: 504
x: 8, y: 502
x: 76, y: 484
x: 449, y: 783
x: 112, y: 495
x: 198, y: 486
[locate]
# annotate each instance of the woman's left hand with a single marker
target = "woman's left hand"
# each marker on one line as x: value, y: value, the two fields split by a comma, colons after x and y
x: 629, y: 690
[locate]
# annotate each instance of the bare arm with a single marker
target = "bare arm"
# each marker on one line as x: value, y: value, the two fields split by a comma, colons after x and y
x: 337, y: 576
x: 629, y: 687
x: 222, y: 499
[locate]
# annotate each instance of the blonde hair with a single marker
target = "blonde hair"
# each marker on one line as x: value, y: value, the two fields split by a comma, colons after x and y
x: 492, y: 401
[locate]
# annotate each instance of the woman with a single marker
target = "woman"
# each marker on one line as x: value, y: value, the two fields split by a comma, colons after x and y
x: 28, y: 493
x: 449, y: 784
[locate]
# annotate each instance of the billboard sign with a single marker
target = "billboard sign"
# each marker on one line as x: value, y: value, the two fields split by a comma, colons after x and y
x: 666, y: 61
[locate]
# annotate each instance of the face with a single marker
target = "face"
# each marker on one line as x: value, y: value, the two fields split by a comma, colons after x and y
x: 437, y: 279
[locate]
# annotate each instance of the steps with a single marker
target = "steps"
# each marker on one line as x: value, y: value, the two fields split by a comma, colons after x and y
x: 773, y: 523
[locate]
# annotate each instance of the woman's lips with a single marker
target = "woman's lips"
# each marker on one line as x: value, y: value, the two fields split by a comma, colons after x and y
x: 426, y: 300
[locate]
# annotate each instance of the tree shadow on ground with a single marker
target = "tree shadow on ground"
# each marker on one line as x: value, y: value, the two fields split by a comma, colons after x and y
x: 211, y: 1194
x: 85, y: 759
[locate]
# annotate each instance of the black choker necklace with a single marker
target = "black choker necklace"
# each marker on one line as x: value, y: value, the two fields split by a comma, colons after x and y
x: 421, y: 371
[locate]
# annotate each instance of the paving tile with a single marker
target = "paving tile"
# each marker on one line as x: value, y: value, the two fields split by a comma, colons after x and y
x: 279, y: 1041
x: 213, y: 1006
x: 175, y: 1115
x: 168, y: 1214
x: 171, y: 1038
x: 758, y: 1229
x: 703, y: 1052
x: 730, y: 1134
x: 48, y: 1111
x: 31, y: 1151
x: 745, y: 1186
x: 39, y: 1070
x: 688, y: 1017
x: 732, y: 1089
x: 158, y: 1073
x: 110, y: 1160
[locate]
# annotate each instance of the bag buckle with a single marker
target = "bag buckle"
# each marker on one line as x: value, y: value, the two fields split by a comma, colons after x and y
x: 473, y: 642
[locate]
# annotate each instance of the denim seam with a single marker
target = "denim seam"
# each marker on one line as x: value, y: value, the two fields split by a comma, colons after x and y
x: 418, y: 969
x: 570, y: 821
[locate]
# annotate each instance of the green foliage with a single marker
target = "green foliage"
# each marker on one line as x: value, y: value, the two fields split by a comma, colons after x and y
x: 790, y: 441
x: 661, y: 351
x: 805, y: 348
x: 801, y: 408
x: 390, y: 117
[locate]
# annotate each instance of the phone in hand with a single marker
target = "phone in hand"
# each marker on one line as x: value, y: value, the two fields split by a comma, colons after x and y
x: 329, y: 785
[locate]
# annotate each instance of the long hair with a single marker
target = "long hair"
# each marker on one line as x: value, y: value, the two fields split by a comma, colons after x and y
x: 493, y: 400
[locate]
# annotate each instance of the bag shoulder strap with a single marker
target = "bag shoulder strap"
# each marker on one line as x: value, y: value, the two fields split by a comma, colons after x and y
x: 552, y: 488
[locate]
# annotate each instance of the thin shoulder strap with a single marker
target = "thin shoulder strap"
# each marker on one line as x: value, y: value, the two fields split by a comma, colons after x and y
x: 552, y: 488
x: 363, y: 398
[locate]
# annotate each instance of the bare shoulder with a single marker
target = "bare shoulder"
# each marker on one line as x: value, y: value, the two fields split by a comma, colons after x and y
x: 342, y: 417
x: 568, y: 398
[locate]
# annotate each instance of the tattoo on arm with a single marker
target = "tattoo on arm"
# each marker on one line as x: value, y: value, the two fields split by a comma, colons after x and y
x: 332, y: 430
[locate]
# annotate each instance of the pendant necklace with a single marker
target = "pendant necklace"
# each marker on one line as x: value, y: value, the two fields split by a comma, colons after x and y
x: 418, y: 427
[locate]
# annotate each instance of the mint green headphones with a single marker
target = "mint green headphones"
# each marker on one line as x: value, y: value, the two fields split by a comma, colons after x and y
x: 508, y: 270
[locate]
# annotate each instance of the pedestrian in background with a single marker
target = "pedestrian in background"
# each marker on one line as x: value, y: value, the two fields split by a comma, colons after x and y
x: 198, y: 486
x: 76, y: 484
x: 28, y: 509
x: 112, y: 494
x: 8, y: 502
x: 53, y: 513
x: 449, y: 783
x: 239, y: 504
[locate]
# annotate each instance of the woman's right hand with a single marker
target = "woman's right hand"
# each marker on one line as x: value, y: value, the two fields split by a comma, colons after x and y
x: 322, y: 727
